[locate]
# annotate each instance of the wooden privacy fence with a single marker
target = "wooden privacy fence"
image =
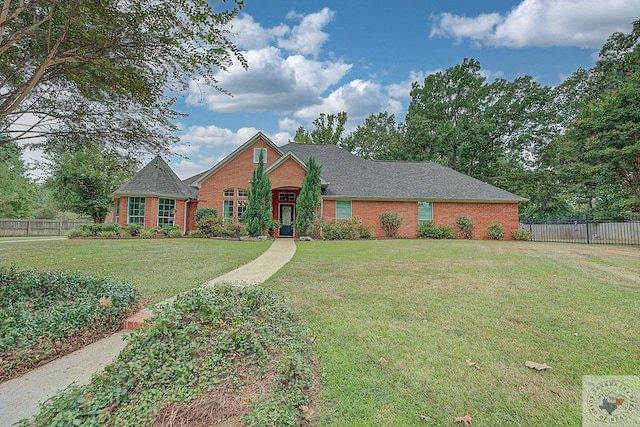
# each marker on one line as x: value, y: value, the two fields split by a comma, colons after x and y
x: 586, y: 229
x: 37, y: 227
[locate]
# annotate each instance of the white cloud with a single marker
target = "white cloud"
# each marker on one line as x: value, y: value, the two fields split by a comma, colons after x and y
x: 581, y: 23
x: 359, y: 98
x: 213, y: 136
x: 402, y: 90
x: 308, y: 37
x: 288, y: 124
x: 271, y: 83
x: 248, y: 34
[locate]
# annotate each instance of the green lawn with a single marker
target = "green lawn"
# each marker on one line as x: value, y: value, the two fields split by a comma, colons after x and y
x: 159, y: 268
x: 427, y: 306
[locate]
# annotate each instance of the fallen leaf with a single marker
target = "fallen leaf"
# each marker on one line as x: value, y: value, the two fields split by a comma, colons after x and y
x: 619, y: 401
x: 383, y: 361
x: 425, y: 418
x: 474, y: 364
x: 109, y: 408
x: 311, y: 339
x: 537, y: 366
x: 555, y: 392
x: 88, y: 396
x: 105, y: 302
x: 27, y: 305
x: 575, y: 335
x: 307, y: 412
x: 466, y: 420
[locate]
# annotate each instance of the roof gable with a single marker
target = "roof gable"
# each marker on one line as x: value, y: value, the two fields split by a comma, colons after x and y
x: 156, y: 179
x: 258, y: 136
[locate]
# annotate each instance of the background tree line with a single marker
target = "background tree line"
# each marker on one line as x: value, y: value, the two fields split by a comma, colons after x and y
x: 569, y: 149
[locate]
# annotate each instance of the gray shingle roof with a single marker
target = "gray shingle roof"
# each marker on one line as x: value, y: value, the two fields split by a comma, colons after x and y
x: 156, y: 179
x: 350, y: 176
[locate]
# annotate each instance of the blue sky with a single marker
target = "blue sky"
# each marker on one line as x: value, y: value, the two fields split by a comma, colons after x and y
x: 361, y: 56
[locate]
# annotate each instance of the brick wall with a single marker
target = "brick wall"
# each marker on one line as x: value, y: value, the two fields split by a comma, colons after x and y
x: 236, y: 174
x: 444, y: 213
x: 482, y: 213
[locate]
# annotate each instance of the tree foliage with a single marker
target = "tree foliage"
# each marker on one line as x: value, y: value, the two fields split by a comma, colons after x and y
x: 309, y: 199
x: 481, y: 129
x: 598, y: 157
x: 18, y: 191
x: 328, y: 130
x: 259, y: 214
x: 379, y: 137
x: 83, y: 180
x: 102, y: 70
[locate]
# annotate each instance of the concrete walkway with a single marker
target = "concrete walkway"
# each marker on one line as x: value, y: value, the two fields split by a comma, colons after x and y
x: 20, y: 396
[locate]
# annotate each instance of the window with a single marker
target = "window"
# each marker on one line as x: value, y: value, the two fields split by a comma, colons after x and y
x: 256, y: 155
x: 117, y: 210
x: 228, y: 192
x: 166, y: 212
x: 343, y: 209
x: 425, y: 212
x: 136, y: 210
x: 242, y: 192
x: 287, y: 197
x: 227, y: 209
x: 242, y: 206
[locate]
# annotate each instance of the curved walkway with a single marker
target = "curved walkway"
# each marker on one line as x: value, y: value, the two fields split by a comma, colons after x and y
x: 20, y: 396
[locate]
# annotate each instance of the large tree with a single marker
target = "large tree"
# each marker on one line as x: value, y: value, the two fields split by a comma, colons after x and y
x: 104, y: 70
x: 83, y: 180
x: 17, y: 191
x: 309, y: 199
x: 598, y: 157
x: 483, y: 129
x: 328, y: 129
x: 601, y: 149
x: 379, y: 137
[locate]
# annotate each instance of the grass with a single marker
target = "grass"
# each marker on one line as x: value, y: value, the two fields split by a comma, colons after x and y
x: 159, y: 268
x: 427, y: 306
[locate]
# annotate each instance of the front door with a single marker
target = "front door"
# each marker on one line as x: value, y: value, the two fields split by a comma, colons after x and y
x: 286, y: 218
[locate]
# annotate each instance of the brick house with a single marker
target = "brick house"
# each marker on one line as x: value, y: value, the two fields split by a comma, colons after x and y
x: 351, y: 186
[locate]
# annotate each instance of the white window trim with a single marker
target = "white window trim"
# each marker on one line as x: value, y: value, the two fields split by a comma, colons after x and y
x: 256, y: 155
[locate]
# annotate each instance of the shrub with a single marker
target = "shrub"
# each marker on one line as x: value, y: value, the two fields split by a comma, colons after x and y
x: 204, y: 212
x: 107, y: 234
x: 133, y: 229
x: 147, y: 234
x: 45, y: 314
x: 91, y: 230
x: 429, y: 229
x: 390, y: 223
x: 346, y: 229
x: 495, y: 231
x: 211, y: 226
x: 466, y: 226
x: 175, y: 233
x: 167, y: 229
x: 521, y: 235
